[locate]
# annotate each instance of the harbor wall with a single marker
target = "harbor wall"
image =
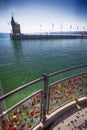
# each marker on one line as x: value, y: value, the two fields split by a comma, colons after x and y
x: 36, y: 37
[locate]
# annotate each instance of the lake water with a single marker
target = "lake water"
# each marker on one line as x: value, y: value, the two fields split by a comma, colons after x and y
x: 26, y: 60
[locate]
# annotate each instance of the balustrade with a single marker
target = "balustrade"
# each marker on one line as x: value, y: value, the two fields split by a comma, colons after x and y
x: 33, y: 109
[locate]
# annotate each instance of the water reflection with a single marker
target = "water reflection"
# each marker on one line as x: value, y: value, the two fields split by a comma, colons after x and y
x: 17, y: 49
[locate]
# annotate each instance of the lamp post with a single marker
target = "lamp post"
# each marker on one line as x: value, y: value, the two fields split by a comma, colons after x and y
x: 83, y: 28
x: 41, y: 29
x: 70, y: 27
x: 52, y: 28
x: 61, y: 27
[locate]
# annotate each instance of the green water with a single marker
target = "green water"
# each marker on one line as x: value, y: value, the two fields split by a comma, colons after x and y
x: 25, y: 60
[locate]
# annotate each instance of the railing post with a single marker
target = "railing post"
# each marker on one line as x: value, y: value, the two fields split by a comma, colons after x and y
x: 2, y: 104
x: 45, y: 97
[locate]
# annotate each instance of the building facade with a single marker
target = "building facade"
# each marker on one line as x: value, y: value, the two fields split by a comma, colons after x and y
x: 15, y: 27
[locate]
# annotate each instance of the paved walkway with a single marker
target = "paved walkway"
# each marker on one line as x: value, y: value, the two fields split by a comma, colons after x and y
x: 75, y: 119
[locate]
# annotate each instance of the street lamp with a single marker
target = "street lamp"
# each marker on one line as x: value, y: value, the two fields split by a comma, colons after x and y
x: 61, y: 27
x: 83, y: 28
x: 70, y: 27
x: 52, y: 28
x: 41, y: 29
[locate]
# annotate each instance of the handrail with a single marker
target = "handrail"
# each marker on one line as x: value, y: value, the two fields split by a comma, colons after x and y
x: 20, y: 88
x: 66, y: 79
x: 68, y: 69
x: 10, y: 109
x: 39, y: 79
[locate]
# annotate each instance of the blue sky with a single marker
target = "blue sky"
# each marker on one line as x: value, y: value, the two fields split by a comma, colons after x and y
x: 37, y: 15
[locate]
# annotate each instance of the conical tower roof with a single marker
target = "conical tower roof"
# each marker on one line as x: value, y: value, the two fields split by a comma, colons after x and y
x: 12, y: 20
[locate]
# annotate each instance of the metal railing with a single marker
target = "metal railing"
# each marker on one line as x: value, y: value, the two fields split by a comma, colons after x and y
x: 23, y: 115
x: 33, y: 109
x: 65, y: 90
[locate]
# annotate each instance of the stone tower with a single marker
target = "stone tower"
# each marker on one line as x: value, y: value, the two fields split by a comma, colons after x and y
x: 15, y: 27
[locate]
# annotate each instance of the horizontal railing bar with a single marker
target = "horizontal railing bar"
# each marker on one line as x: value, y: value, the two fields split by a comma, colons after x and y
x: 68, y: 69
x: 66, y: 79
x: 24, y: 100
x: 37, y: 80
x: 21, y: 88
